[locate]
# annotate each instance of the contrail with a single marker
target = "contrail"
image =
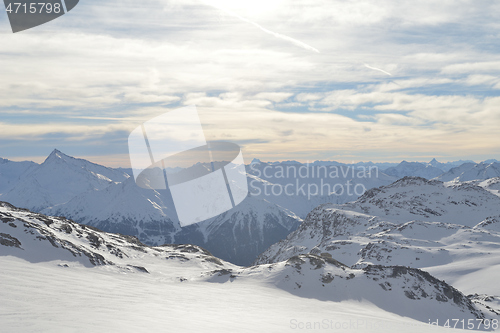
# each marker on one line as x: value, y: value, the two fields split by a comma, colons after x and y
x: 377, y: 69
x: 275, y: 34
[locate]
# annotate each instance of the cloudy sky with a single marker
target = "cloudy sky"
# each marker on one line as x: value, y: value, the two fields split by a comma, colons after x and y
x: 285, y: 79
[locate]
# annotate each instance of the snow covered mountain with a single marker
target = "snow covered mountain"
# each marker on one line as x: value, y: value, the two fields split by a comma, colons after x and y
x: 471, y: 171
x: 58, y: 179
x: 242, y: 233
x: 455, y: 172
x: 36, y: 238
x: 452, y: 232
x: 414, y: 198
x: 416, y: 169
x: 109, y: 276
x: 358, y: 240
x: 124, y: 208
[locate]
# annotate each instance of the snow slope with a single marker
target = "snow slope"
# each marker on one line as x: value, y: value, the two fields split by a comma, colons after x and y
x: 51, y: 298
x: 402, y: 290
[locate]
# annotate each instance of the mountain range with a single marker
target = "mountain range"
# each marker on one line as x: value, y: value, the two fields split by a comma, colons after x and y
x: 109, y: 199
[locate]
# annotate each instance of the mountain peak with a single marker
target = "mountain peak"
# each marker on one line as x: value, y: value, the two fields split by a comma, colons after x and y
x: 57, y: 154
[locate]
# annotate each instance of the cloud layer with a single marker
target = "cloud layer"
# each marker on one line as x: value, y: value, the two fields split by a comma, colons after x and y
x: 84, y: 81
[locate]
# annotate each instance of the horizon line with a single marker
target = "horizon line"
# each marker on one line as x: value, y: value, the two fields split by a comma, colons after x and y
x: 122, y: 160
